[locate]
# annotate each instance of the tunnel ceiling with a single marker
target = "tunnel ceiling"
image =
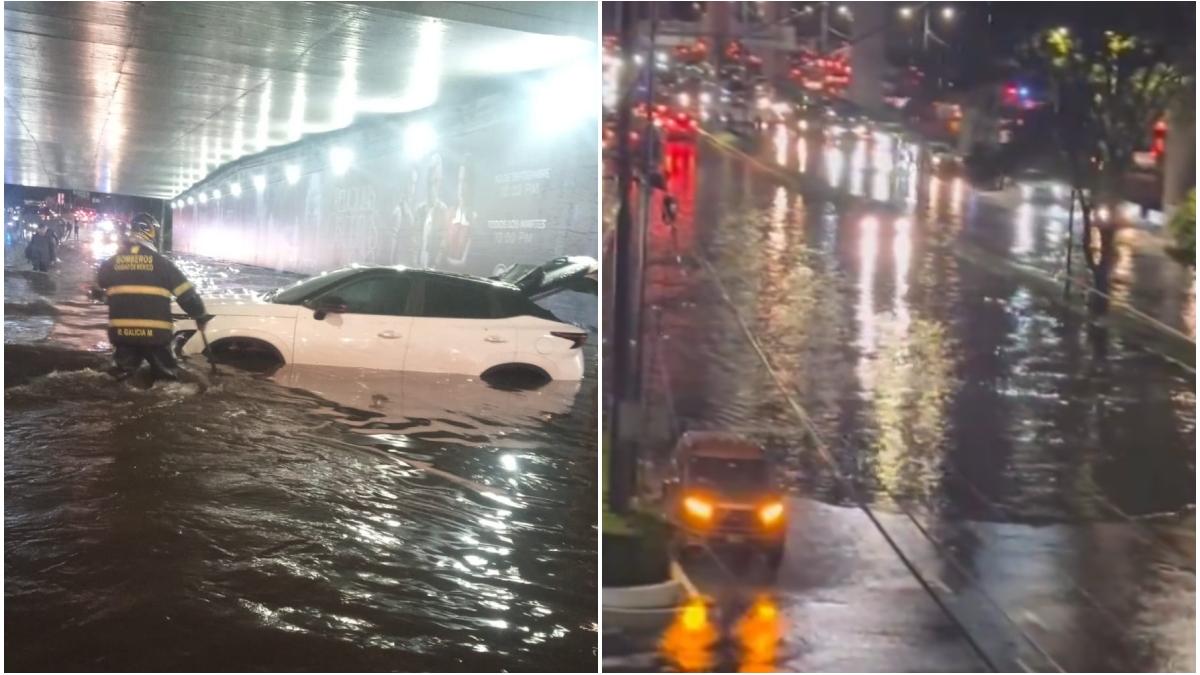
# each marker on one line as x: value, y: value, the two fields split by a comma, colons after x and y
x: 147, y: 98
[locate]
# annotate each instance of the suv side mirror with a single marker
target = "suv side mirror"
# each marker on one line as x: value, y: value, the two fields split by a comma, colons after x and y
x: 330, y: 304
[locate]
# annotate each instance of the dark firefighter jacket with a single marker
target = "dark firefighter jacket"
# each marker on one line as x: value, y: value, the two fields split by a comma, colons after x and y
x: 140, y: 283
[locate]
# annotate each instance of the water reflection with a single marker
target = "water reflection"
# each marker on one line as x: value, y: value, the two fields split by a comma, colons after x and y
x: 1023, y: 240
x: 858, y: 167
x: 835, y: 164
x: 880, y: 185
x: 759, y: 633
x: 956, y: 196
x: 689, y: 641
x: 902, y: 252
x: 781, y: 144
x: 868, y: 249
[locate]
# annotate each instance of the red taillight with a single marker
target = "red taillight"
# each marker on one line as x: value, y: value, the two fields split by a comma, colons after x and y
x: 577, y: 339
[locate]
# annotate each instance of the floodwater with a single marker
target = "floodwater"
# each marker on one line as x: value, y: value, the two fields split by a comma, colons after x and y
x: 312, y: 519
x: 1036, y: 470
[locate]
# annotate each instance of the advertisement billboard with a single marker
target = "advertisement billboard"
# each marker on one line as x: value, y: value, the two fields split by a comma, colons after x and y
x: 469, y: 189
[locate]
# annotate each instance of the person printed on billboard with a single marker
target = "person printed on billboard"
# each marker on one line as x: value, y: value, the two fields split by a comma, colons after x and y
x: 434, y: 216
x: 406, y: 231
x: 457, y: 241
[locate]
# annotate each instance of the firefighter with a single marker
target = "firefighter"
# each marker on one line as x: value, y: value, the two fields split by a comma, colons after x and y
x: 140, y: 283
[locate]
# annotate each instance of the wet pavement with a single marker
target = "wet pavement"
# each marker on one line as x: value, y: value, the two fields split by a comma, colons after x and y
x: 313, y: 519
x: 981, y: 478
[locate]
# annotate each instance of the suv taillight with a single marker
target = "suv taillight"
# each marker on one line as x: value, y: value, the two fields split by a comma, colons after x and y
x: 577, y: 339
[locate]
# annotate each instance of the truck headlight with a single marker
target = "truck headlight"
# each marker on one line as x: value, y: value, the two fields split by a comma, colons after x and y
x: 698, y: 507
x: 771, y: 513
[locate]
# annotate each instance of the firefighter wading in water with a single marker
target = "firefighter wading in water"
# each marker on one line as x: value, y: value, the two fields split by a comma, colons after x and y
x: 140, y: 283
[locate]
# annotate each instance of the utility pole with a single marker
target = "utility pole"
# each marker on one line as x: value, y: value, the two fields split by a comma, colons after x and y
x: 925, y: 30
x: 1070, y: 244
x: 823, y: 38
x: 651, y: 164
x: 622, y: 457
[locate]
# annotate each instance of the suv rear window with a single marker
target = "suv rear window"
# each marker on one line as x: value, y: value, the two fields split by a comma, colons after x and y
x: 453, y: 299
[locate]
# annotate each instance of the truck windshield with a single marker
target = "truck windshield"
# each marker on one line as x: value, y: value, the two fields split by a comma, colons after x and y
x: 730, y: 474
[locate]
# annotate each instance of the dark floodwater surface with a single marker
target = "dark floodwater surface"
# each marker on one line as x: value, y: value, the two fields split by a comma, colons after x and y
x: 315, y: 519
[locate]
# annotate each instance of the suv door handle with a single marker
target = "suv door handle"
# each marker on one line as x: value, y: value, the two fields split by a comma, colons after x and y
x: 495, y: 339
x: 389, y: 335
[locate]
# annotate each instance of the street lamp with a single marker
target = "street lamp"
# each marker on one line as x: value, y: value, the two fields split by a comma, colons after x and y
x: 906, y: 12
x: 948, y: 13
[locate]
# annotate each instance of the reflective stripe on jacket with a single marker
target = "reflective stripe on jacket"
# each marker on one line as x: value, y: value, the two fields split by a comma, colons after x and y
x: 140, y: 283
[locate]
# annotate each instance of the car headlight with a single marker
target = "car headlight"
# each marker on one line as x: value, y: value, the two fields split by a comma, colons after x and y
x: 771, y: 513
x: 698, y: 507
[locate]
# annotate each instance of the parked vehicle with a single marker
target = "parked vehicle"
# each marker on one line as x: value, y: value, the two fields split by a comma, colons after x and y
x: 395, y: 318
x: 723, y: 492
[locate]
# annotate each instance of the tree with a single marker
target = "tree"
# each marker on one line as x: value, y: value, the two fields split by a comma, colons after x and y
x: 1107, y: 91
x: 1183, y: 228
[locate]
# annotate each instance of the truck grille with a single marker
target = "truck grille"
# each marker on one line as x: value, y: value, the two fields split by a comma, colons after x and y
x: 737, y: 521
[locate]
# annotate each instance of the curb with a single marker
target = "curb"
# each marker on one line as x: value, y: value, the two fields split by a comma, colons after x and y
x: 678, y: 574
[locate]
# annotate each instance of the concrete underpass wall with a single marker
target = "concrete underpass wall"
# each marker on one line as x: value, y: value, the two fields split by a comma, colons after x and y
x: 512, y: 179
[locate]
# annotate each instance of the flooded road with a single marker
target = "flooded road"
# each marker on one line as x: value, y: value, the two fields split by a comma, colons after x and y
x: 981, y: 477
x: 313, y: 519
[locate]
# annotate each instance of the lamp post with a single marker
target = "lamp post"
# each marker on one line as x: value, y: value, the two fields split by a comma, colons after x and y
x: 927, y: 33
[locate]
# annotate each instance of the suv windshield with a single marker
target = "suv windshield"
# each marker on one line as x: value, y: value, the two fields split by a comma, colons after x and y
x: 732, y: 475
x: 297, y: 292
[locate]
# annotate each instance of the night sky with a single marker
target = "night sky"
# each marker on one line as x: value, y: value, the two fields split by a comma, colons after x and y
x: 1013, y: 21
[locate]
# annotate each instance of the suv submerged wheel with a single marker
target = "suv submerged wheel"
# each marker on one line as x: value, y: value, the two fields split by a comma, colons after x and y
x: 516, y: 376
x: 253, y: 355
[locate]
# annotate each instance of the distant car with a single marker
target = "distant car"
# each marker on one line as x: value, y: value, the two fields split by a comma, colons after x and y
x: 1041, y: 188
x: 395, y: 318
x: 943, y: 158
x: 723, y: 492
x: 680, y: 126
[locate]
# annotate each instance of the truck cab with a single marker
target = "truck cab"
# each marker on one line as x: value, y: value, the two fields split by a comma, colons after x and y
x: 724, y: 494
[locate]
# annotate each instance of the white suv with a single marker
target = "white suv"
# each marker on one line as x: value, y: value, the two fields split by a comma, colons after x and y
x: 395, y: 318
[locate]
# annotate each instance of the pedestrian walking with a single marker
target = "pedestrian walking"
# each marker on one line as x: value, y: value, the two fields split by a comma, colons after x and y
x: 41, y: 249
x: 670, y: 209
